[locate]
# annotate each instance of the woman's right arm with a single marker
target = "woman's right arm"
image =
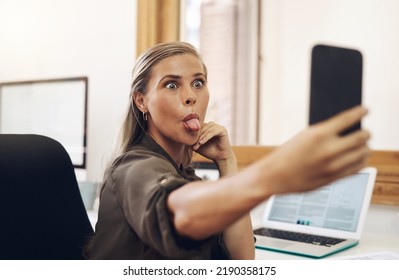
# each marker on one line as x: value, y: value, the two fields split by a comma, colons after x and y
x: 314, y: 157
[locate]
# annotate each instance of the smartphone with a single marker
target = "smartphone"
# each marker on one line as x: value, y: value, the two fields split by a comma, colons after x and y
x: 336, y: 82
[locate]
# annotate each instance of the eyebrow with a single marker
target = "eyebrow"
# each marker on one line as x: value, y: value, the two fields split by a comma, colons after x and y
x: 177, y: 77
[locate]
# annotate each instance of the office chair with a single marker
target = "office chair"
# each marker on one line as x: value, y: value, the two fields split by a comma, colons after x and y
x: 42, y: 215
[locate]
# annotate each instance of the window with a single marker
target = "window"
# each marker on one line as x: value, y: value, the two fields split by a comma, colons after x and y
x: 226, y: 34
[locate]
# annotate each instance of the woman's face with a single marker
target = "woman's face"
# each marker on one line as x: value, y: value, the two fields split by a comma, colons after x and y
x: 177, y: 99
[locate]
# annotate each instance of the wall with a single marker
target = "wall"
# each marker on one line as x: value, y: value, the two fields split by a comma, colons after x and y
x: 289, y: 30
x: 54, y: 39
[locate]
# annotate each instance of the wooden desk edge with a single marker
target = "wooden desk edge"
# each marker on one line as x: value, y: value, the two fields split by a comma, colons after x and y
x: 386, y: 189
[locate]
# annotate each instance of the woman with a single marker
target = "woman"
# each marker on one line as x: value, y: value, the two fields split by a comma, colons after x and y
x: 153, y: 206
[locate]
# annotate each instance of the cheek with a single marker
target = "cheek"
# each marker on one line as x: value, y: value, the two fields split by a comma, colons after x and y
x: 203, y: 102
x: 204, y: 96
x: 162, y: 108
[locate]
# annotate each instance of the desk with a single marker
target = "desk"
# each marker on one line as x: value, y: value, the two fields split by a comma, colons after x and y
x: 380, y: 233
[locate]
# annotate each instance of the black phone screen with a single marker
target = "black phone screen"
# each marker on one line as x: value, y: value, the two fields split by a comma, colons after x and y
x: 336, y: 82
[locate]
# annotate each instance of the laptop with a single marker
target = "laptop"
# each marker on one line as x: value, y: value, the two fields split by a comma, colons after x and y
x: 318, y: 223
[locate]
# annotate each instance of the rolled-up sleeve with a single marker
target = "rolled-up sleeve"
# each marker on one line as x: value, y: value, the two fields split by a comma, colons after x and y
x: 142, y: 188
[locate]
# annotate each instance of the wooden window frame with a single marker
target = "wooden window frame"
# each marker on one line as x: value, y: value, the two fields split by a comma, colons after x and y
x: 386, y: 188
x: 157, y: 21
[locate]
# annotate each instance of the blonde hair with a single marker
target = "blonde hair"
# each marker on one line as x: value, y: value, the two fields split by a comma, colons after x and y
x: 134, y: 125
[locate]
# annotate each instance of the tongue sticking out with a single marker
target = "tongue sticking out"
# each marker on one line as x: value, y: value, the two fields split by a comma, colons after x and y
x: 193, y: 124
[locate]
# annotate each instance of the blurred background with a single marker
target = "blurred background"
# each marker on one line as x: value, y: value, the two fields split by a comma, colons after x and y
x: 257, y: 53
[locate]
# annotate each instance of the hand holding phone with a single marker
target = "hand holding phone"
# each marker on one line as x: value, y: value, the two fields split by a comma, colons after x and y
x: 336, y: 82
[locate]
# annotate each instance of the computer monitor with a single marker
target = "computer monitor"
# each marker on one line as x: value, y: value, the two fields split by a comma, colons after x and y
x: 56, y: 108
x: 206, y: 170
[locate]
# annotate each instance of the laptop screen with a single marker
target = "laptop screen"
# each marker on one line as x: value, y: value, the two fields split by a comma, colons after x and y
x: 336, y: 206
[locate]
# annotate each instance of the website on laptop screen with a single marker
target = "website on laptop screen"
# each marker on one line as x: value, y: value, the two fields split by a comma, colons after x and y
x: 335, y: 206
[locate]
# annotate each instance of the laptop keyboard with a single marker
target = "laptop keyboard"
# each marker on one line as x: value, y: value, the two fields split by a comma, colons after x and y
x: 300, y: 237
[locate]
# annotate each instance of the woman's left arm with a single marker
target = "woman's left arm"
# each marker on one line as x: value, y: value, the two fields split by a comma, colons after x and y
x: 214, y: 144
x: 238, y: 237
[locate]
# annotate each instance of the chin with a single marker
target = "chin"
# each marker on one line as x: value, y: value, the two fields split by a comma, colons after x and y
x: 190, y: 141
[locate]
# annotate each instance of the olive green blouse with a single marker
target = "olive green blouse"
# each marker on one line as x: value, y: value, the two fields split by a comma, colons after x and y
x: 133, y: 219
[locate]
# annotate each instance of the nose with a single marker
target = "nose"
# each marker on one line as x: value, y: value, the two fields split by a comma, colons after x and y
x: 190, y: 98
x: 190, y: 101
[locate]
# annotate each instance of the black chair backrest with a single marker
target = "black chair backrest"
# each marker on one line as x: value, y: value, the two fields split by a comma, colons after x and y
x: 42, y: 215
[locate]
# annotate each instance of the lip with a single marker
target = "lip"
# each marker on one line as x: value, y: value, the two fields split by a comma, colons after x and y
x: 190, y: 116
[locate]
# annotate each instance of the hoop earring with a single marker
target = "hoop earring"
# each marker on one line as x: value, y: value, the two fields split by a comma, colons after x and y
x: 145, y: 117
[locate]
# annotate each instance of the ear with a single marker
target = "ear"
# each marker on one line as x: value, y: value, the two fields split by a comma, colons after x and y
x: 139, y: 100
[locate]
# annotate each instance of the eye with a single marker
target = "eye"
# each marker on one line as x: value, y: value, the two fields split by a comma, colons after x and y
x: 171, y: 85
x: 198, y: 83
